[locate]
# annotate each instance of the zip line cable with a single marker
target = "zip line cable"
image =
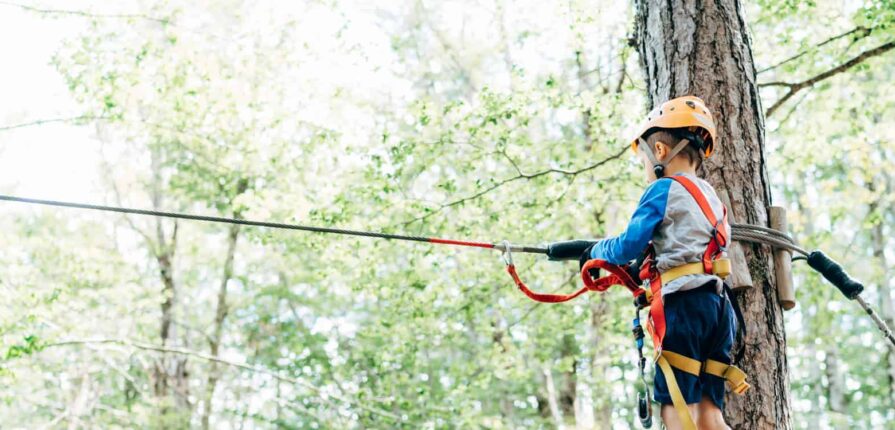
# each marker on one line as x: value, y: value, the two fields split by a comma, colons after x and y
x: 277, y: 225
x: 819, y: 261
x: 743, y: 232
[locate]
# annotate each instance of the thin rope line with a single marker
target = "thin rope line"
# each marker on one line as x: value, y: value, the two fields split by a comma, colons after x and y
x: 740, y: 232
x: 277, y: 225
x: 216, y: 219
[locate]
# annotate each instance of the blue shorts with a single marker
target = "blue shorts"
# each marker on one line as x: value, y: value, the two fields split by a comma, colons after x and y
x: 702, y: 325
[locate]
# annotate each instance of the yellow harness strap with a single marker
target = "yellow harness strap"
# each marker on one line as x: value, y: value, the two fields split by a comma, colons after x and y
x: 682, y: 270
x: 668, y: 360
x: 683, y: 363
x: 720, y: 267
x: 677, y: 399
x: 734, y: 375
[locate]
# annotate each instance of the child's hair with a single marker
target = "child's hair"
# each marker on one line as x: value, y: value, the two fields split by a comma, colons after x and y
x: 691, y: 151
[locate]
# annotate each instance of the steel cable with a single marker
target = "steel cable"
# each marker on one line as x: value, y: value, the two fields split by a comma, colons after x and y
x: 742, y: 235
x: 762, y: 229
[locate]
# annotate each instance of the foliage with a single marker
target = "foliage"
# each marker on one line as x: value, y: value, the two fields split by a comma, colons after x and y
x: 454, y: 119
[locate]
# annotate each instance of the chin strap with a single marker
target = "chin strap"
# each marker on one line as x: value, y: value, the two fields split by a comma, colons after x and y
x: 659, y: 168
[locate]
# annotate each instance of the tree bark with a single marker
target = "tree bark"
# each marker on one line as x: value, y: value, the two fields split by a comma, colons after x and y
x: 701, y: 48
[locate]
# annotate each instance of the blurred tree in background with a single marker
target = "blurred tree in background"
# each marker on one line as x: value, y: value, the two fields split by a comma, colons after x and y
x: 481, y: 120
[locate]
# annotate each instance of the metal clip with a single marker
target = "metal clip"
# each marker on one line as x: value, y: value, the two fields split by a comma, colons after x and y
x: 507, y: 255
x: 644, y: 408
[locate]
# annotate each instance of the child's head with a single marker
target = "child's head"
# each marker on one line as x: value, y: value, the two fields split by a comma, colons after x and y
x: 662, y: 143
x: 675, y: 136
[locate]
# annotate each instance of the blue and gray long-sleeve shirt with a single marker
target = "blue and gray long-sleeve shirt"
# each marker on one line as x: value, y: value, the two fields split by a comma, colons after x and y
x: 668, y: 216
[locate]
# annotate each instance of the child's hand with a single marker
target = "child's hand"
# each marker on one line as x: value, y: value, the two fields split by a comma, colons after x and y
x: 568, y: 250
x: 585, y: 256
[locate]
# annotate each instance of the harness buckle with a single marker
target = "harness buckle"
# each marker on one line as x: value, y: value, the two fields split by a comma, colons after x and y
x: 642, y: 300
x: 721, y: 267
x: 716, y: 236
x: 741, y: 388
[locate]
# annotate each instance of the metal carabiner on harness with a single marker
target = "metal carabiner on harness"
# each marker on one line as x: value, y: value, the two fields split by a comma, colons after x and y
x: 644, y: 407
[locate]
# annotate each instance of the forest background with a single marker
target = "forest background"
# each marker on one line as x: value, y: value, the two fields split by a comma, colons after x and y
x: 464, y: 119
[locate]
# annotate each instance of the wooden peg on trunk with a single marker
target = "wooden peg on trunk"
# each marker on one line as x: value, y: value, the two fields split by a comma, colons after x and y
x: 739, y: 274
x: 782, y: 261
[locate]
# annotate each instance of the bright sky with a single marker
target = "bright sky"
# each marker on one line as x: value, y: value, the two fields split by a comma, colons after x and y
x: 54, y: 160
x: 59, y: 160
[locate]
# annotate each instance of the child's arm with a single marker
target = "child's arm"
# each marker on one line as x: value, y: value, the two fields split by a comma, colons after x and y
x: 632, y: 242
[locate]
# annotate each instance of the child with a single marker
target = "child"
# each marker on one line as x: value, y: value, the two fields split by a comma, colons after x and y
x: 684, y: 224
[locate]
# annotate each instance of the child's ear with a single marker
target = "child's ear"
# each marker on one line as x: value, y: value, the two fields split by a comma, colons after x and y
x: 661, y: 150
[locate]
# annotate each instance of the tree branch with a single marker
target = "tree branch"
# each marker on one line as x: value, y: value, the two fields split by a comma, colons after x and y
x: 792, y: 109
x: 865, y: 31
x: 623, y: 72
x: 795, y: 87
x: 519, y: 176
x: 51, y: 120
x: 213, y: 359
x: 83, y: 13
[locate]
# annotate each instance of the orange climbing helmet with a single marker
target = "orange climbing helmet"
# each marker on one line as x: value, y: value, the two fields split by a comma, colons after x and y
x: 687, y: 112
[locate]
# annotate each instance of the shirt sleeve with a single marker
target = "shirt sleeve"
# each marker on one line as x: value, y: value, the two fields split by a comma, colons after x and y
x: 649, y: 214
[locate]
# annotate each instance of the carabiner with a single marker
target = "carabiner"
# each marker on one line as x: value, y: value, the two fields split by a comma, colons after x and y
x: 507, y: 255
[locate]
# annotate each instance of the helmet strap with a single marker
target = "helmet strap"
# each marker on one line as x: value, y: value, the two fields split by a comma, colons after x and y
x: 659, y: 168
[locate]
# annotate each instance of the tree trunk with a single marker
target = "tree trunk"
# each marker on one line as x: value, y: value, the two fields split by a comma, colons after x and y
x: 701, y: 48
x: 886, y: 311
x: 170, y: 372
x: 568, y: 382
x: 835, y: 380
x: 602, y: 406
x: 170, y: 376
x: 220, y: 316
x: 552, y: 401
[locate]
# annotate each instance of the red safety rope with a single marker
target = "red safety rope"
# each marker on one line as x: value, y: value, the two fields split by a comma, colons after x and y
x: 618, y: 275
x: 461, y: 243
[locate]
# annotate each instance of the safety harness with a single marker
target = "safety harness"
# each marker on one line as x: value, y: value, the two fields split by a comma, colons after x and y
x: 650, y: 295
x: 713, y: 262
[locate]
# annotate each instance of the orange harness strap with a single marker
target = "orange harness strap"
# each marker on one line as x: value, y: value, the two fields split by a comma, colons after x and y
x: 719, y: 233
x: 715, y: 247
